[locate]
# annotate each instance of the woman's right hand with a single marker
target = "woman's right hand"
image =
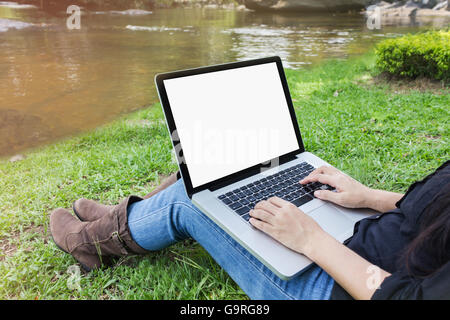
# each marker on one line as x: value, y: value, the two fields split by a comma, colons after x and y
x: 349, y: 192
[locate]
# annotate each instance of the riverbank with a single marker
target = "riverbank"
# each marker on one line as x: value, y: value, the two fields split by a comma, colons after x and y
x: 95, y: 5
x: 383, y: 137
x: 391, y: 10
x: 407, y: 12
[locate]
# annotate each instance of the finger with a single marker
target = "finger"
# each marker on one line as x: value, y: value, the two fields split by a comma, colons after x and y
x: 328, y: 196
x: 322, y: 178
x: 261, y: 225
x: 262, y: 215
x: 268, y: 206
x: 314, y: 172
x: 327, y: 170
x: 278, y: 201
x: 324, y: 169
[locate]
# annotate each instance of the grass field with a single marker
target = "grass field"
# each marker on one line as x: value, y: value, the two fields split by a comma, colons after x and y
x: 384, y: 137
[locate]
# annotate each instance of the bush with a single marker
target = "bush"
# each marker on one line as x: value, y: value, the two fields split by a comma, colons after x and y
x: 423, y: 54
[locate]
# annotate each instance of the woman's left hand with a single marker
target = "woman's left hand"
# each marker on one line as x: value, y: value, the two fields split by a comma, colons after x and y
x: 286, y: 223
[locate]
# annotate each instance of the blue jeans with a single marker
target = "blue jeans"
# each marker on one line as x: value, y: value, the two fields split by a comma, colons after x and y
x: 170, y: 216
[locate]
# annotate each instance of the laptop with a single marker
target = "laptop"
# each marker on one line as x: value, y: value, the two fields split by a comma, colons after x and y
x: 237, y: 141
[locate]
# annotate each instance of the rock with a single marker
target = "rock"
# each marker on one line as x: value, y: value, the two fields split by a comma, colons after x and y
x: 306, y: 5
x: 383, y: 4
x: 432, y: 13
x: 430, y: 4
x: 412, y: 4
x: 402, y: 12
x: 241, y: 7
x: 422, y: 4
x: 441, y: 6
x: 410, y: 10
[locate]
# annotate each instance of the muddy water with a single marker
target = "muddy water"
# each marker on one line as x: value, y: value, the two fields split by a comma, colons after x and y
x: 56, y: 82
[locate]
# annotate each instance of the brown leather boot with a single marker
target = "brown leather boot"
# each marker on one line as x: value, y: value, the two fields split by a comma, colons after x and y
x: 91, y: 243
x: 89, y: 210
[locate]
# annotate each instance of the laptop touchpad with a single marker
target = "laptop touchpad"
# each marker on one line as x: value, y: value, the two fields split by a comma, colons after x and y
x: 331, y: 220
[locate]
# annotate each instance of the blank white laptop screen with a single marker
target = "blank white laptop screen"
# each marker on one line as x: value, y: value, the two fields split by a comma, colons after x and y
x: 230, y: 120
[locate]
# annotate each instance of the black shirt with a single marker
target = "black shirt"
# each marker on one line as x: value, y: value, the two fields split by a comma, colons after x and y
x: 382, y: 239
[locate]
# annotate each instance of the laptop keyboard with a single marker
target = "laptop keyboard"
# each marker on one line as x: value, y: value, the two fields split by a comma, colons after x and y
x: 283, y: 184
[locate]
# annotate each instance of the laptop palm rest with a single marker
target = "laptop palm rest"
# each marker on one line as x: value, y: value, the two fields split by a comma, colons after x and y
x: 331, y: 220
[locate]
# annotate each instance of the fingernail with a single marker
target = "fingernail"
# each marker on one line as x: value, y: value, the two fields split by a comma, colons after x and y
x: 316, y: 193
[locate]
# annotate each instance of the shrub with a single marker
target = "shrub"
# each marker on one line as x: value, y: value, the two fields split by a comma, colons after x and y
x: 424, y: 54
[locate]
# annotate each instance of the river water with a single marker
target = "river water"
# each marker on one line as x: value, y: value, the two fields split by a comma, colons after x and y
x: 56, y: 82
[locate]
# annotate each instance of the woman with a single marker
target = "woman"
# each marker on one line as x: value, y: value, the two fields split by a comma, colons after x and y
x: 403, y: 253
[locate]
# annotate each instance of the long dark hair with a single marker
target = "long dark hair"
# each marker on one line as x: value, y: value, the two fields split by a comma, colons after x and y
x: 432, y: 244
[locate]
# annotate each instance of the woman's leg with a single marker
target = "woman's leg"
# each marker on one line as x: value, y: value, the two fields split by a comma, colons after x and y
x: 170, y: 216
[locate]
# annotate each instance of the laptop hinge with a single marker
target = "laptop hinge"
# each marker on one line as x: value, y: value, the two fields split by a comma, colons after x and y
x: 252, y: 172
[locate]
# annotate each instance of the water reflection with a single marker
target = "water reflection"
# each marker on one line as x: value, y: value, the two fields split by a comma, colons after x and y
x: 56, y: 82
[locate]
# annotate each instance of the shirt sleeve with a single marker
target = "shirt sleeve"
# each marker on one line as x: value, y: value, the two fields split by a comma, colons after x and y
x: 402, y: 286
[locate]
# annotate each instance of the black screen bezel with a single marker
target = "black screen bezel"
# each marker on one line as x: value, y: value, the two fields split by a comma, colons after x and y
x: 159, y: 80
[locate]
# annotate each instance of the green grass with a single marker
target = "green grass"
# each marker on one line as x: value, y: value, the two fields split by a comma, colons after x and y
x: 381, y: 137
